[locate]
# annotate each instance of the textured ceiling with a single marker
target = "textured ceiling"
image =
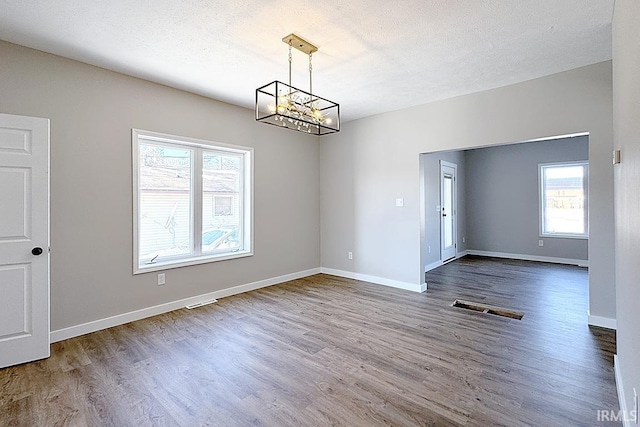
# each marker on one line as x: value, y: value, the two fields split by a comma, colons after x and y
x: 373, y: 56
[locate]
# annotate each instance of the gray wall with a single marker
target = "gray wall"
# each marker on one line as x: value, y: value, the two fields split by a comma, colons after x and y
x: 430, y: 170
x: 92, y: 112
x: 626, y: 114
x: 503, y: 198
x: 374, y: 160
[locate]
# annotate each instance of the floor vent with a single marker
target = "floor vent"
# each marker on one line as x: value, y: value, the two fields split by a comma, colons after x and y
x: 489, y: 309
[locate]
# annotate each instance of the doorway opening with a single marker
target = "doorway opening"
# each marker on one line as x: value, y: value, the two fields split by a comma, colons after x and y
x: 491, y: 201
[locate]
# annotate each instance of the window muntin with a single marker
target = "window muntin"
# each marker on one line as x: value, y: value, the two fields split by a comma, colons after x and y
x: 176, y: 184
x: 563, y: 199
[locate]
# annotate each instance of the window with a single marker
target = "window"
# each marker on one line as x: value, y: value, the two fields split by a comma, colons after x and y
x: 223, y: 205
x: 192, y: 201
x: 563, y: 199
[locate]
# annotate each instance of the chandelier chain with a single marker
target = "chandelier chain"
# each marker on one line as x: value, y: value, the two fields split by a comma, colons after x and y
x: 310, y: 74
x: 289, y: 64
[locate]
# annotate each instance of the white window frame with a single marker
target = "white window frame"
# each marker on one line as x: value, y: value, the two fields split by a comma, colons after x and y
x: 542, y: 204
x: 246, y: 185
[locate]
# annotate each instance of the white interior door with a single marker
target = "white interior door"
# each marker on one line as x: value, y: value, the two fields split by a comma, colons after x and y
x: 448, y: 210
x: 24, y: 239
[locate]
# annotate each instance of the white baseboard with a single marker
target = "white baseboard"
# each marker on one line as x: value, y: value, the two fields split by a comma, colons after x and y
x: 461, y: 254
x: 627, y: 417
x: 377, y: 280
x: 431, y: 266
x: 555, y: 260
x: 121, y: 319
x: 603, y: 322
x: 438, y: 263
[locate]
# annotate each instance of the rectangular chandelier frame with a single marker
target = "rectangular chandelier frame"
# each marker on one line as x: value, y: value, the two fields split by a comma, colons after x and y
x: 291, y: 108
x: 280, y: 104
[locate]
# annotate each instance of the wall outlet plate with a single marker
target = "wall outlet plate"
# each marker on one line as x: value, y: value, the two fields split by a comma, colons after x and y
x: 161, y: 279
x: 540, y: 242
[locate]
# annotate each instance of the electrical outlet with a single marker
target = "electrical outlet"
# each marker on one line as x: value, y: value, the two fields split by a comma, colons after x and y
x: 464, y: 239
x: 350, y: 255
x: 540, y: 242
x: 161, y: 279
x: 400, y: 203
x: 429, y: 248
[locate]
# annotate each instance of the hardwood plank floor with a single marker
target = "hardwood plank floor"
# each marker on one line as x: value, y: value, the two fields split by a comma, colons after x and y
x: 331, y: 351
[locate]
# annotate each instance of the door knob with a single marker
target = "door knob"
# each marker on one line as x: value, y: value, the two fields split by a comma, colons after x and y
x: 36, y: 251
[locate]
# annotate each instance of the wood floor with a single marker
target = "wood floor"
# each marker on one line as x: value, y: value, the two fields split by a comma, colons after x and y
x: 330, y: 351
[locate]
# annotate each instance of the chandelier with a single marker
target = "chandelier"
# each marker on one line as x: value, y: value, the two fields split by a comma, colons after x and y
x: 283, y: 105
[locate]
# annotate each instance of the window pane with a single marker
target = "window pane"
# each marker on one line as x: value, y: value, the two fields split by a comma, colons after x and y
x: 448, y: 210
x: 165, y: 202
x: 222, y: 215
x: 222, y: 205
x: 564, y: 196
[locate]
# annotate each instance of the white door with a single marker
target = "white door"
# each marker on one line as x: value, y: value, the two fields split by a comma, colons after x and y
x: 448, y: 210
x: 24, y: 239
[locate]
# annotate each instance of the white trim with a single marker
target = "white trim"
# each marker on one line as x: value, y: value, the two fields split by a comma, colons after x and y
x: 555, y: 260
x: 438, y: 263
x: 196, y: 147
x: 121, y: 319
x: 626, y: 421
x: 431, y: 266
x: 542, y: 205
x: 196, y: 260
x: 603, y: 322
x: 454, y: 204
x: 462, y: 254
x: 377, y: 280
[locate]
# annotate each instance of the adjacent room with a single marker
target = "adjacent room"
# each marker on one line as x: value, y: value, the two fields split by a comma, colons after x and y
x: 526, y: 201
x: 319, y: 214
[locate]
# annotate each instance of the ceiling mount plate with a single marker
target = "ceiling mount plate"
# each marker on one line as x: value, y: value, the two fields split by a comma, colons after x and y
x: 299, y: 43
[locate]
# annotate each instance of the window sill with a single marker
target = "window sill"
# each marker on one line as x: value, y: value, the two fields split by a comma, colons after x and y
x: 167, y: 265
x: 564, y: 236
